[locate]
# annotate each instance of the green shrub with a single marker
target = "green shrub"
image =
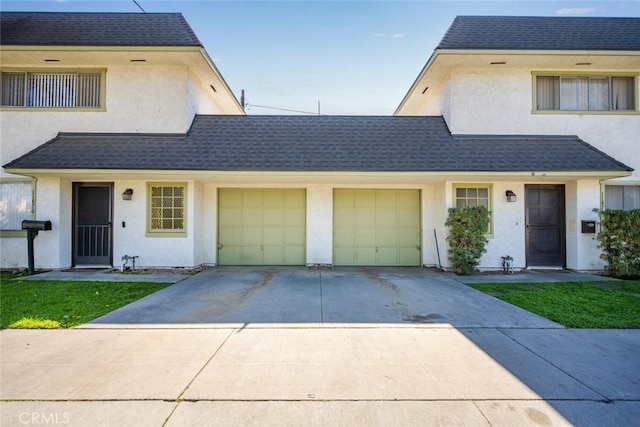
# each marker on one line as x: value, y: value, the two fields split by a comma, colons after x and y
x: 619, y: 239
x: 467, y: 239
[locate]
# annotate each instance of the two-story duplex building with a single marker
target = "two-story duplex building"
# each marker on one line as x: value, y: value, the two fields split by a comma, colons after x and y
x: 134, y: 145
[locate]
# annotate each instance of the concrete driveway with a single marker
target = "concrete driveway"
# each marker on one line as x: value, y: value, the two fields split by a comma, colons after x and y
x: 296, y: 295
x: 344, y: 347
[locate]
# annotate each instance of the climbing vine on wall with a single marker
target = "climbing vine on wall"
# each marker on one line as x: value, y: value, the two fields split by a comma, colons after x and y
x: 467, y: 237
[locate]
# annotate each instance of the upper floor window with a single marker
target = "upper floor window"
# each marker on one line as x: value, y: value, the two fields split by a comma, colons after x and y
x: 585, y: 93
x: 51, y: 89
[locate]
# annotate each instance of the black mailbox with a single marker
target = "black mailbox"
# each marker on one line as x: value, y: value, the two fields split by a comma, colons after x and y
x: 28, y: 224
x: 32, y: 228
x: 588, y: 226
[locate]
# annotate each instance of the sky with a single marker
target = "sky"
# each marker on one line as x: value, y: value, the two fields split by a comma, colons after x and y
x: 333, y: 57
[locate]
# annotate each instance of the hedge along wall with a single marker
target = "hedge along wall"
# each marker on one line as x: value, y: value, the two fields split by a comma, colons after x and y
x: 619, y: 239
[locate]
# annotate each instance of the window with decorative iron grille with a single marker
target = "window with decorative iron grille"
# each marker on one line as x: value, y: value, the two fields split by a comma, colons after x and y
x: 167, y: 208
x: 51, y: 89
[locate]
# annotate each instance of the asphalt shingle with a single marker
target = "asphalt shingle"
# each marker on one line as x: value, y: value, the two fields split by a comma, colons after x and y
x: 317, y: 143
x: 542, y: 33
x: 95, y: 29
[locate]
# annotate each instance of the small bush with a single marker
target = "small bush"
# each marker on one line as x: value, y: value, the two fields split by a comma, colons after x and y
x: 467, y: 240
x: 34, y: 323
x: 619, y: 239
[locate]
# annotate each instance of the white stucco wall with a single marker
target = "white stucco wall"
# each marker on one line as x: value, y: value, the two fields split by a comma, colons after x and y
x: 319, y: 224
x: 129, y: 108
x: 133, y: 240
x: 500, y: 102
x: 582, y: 248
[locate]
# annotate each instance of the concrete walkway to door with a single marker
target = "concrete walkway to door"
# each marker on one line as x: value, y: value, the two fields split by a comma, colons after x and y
x: 226, y: 296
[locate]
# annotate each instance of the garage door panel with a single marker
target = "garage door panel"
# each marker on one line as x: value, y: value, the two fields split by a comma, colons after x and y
x: 386, y: 199
x: 252, y: 198
x: 295, y: 198
x: 365, y: 217
x: 251, y: 216
x: 344, y: 237
x: 365, y: 256
x: 257, y: 225
x: 229, y: 198
x: 294, y: 216
x: 344, y: 198
x: 274, y: 236
x: 386, y: 237
x: 366, y: 237
x: 344, y: 217
x: 294, y: 236
x: 232, y: 236
x: 377, y: 227
x: 231, y: 217
x: 387, y: 256
x: 346, y: 255
x: 251, y: 236
x: 408, y: 218
x: 365, y: 198
x: 408, y: 200
x: 409, y: 237
x: 272, y: 217
x: 273, y: 198
x: 386, y: 217
x: 294, y: 255
x: 273, y: 255
x: 230, y: 256
x: 408, y: 256
x: 251, y: 255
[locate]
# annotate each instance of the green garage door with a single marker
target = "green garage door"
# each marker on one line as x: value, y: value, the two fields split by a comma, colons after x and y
x: 261, y: 226
x: 376, y: 227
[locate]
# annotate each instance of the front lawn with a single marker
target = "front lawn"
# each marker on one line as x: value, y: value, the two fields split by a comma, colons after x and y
x: 614, y: 305
x: 45, y: 304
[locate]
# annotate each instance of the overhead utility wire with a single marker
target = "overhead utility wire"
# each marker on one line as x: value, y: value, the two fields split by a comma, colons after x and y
x: 282, y: 109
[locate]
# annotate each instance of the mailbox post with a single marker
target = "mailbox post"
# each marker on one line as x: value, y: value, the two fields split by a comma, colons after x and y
x: 32, y: 228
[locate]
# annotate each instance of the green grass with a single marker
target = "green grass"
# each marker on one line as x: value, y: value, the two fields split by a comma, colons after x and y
x: 575, y: 304
x: 45, y: 304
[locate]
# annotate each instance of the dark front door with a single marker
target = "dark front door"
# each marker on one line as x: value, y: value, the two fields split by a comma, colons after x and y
x: 545, y: 225
x: 92, y: 223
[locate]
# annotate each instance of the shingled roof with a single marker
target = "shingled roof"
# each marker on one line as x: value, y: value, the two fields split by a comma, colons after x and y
x: 95, y: 29
x: 317, y: 143
x: 542, y: 33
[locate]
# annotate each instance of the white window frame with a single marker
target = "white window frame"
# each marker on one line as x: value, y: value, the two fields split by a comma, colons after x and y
x: 45, y: 89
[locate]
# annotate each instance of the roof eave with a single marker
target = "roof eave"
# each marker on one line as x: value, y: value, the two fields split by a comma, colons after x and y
x: 335, y: 177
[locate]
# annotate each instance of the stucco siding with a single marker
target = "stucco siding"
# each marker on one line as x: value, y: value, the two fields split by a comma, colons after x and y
x: 489, y: 102
x: 129, y: 108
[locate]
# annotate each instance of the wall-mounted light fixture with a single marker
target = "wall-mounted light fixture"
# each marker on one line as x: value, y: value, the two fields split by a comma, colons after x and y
x: 128, y: 193
x: 511, y: 196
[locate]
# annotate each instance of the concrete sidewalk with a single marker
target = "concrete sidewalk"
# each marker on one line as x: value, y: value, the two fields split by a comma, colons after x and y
x: 329, y: 376
x: 466, y: 367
